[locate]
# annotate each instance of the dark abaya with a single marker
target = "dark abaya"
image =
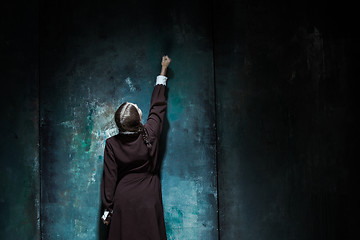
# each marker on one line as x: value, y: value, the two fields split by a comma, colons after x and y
x: 130, y: 183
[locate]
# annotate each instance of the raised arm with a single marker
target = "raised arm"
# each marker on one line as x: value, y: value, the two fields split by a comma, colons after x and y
x: 158, y: 102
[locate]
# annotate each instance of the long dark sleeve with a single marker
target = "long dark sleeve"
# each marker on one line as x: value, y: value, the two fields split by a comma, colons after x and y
x: 109, y: 177
x: 157, y: 110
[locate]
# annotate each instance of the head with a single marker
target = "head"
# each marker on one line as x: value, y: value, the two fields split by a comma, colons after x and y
x: 128, y: 118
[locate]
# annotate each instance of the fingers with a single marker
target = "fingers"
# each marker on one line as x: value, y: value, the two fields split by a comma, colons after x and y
x: 166, y: 58
x: 165, y: 63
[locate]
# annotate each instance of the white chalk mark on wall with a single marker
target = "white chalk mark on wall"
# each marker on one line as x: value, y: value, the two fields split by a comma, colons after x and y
x: 131, y: 86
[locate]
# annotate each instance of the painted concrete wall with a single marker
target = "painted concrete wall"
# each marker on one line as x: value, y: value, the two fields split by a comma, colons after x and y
x: 260, y: 96
x: 93, y: 58
x: 19, y: 162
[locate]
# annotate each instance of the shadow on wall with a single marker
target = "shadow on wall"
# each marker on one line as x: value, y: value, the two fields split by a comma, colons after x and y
x: 163, y: 138
x: 166, y: 126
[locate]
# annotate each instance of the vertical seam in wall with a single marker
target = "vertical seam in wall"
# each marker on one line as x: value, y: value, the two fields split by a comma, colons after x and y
x: 39, y: 127
x: 215, y: 118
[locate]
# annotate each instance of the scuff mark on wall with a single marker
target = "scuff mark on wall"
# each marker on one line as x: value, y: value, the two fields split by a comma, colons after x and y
x: 130, y: 84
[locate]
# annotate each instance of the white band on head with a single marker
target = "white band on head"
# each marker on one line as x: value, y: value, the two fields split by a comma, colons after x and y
x: 128, y: 133
x: 124, y: 113
x: 139, y: 110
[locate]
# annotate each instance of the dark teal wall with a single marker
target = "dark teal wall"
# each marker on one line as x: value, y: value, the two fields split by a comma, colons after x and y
x: 19, y: 160
x: 284, y: 112
x: 258, y: 139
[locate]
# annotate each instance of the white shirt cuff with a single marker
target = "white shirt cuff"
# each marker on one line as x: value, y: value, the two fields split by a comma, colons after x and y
x: 161, y: 80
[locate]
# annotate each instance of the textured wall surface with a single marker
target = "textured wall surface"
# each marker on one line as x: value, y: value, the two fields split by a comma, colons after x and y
x: 284, y: 111
x: 258, y: 139
x: 19, y: 163
x: 93, y: 58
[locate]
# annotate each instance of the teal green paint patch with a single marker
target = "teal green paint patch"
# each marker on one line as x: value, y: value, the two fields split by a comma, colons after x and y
x: 175, y: 109
x: 187, y: 206
x: 174, y: 217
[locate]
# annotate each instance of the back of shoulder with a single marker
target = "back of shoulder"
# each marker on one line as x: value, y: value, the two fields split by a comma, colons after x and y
x: 109, y: 141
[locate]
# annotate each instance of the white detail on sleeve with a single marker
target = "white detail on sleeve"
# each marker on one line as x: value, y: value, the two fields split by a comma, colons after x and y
x: 104, y: 216
x: 161, y: 80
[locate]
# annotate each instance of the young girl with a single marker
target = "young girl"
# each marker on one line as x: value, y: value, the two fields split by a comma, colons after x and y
x: 130, y: 185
